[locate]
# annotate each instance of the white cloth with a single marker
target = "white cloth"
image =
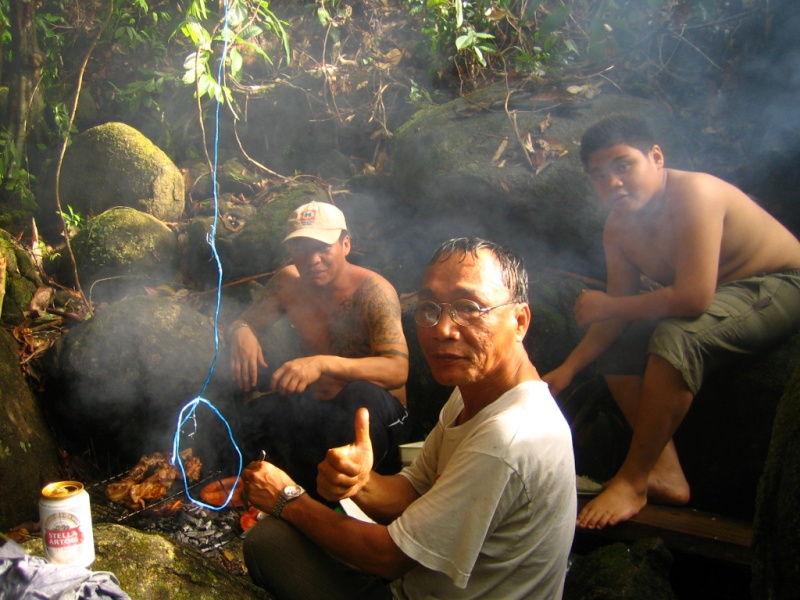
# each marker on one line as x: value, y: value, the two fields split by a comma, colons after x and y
x: 25, y: 577
x: 496, y: 516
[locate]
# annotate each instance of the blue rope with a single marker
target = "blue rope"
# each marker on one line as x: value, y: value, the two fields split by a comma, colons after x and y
x: 188, y: 411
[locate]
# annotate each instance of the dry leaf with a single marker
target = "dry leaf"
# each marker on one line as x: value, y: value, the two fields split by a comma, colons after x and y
x: 527, y: 143
x: 495, y: 14
x: 393, y: 57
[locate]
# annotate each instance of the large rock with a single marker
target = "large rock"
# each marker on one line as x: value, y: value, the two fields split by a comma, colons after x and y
x: 115, y: 165
x: 28, y: 456
x: 121, y: 378
x: 150, y: 567
x: 122, y: 250
x: 448, y: 165
x: 776, y: 539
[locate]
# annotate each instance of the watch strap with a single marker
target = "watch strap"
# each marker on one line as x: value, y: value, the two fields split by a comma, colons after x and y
x: 276, y: 512
x: 284, y: 498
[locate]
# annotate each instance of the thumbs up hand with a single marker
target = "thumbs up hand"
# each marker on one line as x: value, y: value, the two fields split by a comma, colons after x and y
x: 346, y: 470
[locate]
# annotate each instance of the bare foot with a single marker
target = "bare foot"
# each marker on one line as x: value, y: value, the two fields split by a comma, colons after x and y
x: 667, y: 487
x: 618, y: 502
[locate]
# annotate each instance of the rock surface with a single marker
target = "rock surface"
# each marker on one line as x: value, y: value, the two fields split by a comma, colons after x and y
x: 28, y: 456
x: 152, y: 567
x: 115, y: 165
x: 121, y: 251
x: 461, y: 171
x: 122, y: 377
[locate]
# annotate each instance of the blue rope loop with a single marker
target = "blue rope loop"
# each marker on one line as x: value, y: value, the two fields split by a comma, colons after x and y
x: 188, y: 411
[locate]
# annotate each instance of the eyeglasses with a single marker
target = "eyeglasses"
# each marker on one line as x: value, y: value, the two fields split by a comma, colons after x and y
x: 463, y: 312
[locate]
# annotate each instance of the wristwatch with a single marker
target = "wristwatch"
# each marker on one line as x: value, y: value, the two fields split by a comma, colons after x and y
x: 289, y: 493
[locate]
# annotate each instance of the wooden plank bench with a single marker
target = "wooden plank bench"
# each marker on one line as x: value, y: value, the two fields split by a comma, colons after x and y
x: 685, y: 529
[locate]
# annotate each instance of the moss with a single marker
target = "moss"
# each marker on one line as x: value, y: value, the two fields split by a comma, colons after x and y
x: 153, y: 567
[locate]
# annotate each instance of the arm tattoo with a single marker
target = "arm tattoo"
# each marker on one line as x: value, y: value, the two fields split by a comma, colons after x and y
x: 383, y: 313
x: 367, y: 319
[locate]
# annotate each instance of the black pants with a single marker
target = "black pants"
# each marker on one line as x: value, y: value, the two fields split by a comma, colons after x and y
x: 290, y: 566
x: 297, y: 430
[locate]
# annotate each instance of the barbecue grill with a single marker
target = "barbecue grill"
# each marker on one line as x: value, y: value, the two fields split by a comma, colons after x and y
x: 174, y: 515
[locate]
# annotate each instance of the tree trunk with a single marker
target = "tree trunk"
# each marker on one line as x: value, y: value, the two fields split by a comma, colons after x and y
x: 25, y: 101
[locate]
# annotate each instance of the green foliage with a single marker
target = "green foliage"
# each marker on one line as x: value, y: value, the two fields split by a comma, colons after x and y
x: 239, y: 29
x: 73, y: 221
x: 478, y: 37
x: 15, y: 180
x: 488, y: 34
x: 144, y: 92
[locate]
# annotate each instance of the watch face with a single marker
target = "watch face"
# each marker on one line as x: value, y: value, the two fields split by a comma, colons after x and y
x: 292, y: 491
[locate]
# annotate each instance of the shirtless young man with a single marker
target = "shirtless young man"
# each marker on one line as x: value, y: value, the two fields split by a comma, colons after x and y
x: 731, y: 284
x: 348, y: 321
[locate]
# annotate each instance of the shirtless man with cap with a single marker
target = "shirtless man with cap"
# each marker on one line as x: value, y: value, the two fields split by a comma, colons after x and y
x: 348, y: 321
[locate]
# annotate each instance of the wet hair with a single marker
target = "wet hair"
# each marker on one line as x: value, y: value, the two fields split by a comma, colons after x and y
x: 515, y: 277
x: 614, y: 130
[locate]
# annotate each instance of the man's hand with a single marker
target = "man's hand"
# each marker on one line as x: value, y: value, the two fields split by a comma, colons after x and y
x: 346, y: 470
x: 592, y: 306
x: 263, y: 483
x: 558, y: 379
x: 295, y: 376
x: 246, y: 358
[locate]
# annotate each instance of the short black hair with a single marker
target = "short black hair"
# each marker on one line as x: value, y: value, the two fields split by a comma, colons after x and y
x: 614, y: 130
x: 515, y: 277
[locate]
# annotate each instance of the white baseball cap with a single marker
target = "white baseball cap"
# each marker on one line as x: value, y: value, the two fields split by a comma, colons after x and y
x: 317, y: 220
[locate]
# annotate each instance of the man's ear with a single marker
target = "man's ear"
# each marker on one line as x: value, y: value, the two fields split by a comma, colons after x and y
x: 657, y: 155
x: 522, y: 312
x: 346, y: 244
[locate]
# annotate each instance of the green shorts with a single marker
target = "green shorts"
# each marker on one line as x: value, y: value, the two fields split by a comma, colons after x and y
x: 745, y: 317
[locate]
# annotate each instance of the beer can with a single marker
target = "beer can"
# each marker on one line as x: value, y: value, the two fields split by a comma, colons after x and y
x: 66, y: 524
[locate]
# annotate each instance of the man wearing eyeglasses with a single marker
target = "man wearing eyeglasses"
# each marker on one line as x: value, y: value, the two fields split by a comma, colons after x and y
x: 485, y: 511
x: 348, y: 321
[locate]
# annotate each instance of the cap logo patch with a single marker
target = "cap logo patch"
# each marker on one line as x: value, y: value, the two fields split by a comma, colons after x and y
x: 308, y: 218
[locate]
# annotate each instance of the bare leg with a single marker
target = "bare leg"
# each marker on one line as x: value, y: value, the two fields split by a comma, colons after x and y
x: 666, y: 484
x: 664, y: 401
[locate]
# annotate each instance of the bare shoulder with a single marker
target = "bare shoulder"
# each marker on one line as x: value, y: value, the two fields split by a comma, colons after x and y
x: 286, y: 284
x: 374, y: 287
x: 689, y: 189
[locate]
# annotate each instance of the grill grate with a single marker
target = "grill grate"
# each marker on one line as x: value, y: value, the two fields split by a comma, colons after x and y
x: 173, y: 515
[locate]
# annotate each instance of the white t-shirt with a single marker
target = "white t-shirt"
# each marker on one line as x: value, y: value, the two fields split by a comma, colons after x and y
x: 496, y: 516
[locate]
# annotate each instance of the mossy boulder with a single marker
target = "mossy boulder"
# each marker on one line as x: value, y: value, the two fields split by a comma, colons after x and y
x: 120, y: 379
x: 115, y: 165
x: 122, y: 250
x: 462, y: 168
x: 152, y: 567
x: 28, y: 456
x: 22, y: 279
